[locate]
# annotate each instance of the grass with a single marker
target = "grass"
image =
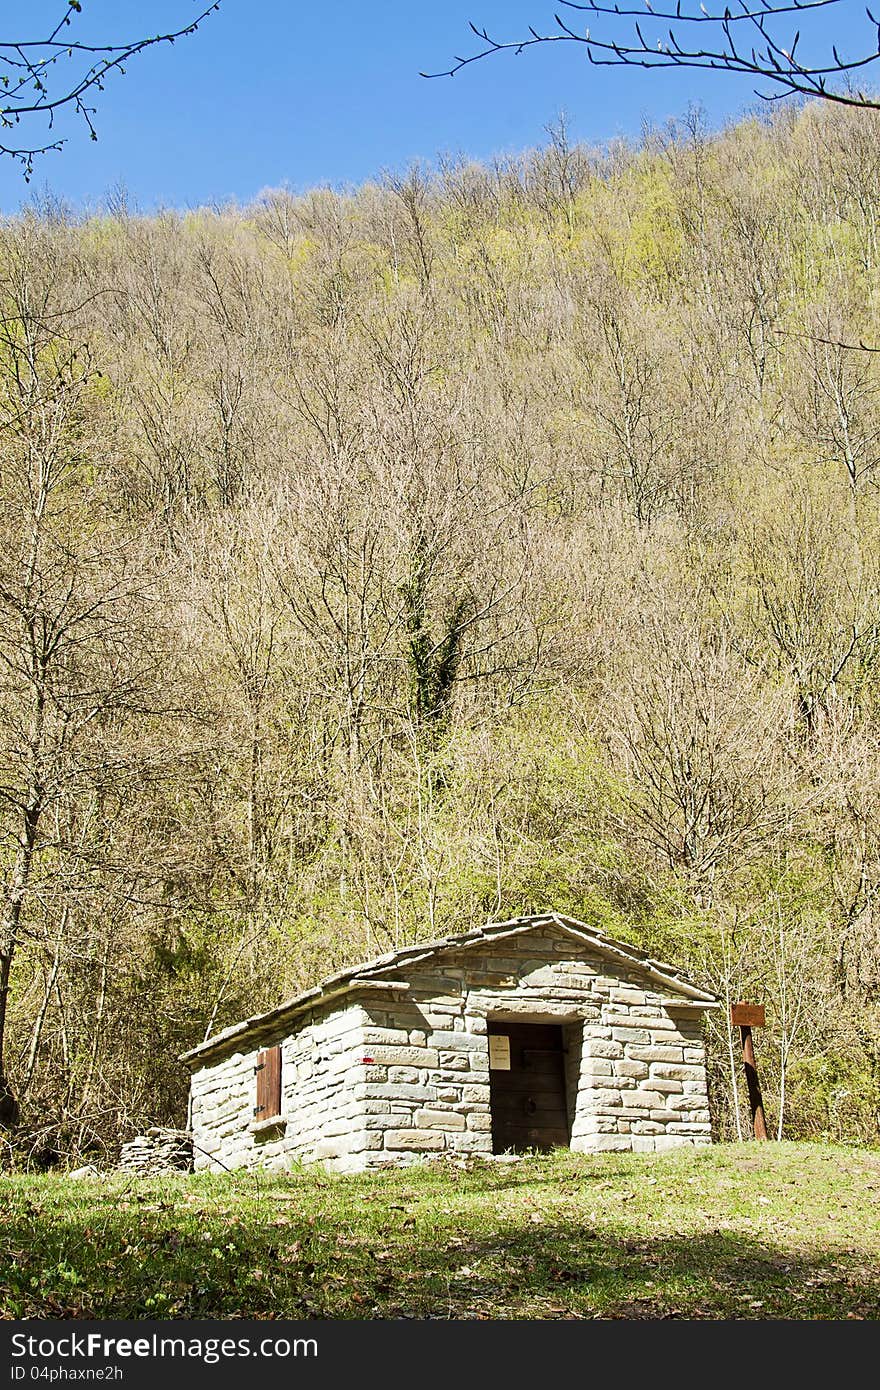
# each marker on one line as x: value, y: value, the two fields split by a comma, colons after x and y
x: 783, y: 1231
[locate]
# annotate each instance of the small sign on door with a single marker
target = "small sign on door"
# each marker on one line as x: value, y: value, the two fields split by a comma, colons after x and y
x: 499, y: 1052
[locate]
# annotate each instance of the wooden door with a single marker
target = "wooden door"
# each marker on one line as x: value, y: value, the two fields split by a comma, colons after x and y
x: 527, y: 1086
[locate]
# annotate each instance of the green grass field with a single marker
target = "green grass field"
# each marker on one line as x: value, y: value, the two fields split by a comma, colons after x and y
x: 778, y: 1231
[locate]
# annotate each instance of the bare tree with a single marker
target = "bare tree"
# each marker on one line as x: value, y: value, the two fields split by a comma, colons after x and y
x: 69, y: 592
x: 632, y: 407
x: 796, y: 953
x: 840, y: 418
x: 699, y: 741
x: 811, y: 617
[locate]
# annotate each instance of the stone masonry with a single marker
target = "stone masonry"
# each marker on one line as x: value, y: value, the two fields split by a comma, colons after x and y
x: 158, y: 1151
x: 395, y: 1068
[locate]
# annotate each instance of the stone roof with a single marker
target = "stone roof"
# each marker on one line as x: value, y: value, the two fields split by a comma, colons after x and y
x: 371, y: 973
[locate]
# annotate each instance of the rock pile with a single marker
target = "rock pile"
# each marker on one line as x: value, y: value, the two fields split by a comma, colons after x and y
x: 158, y: 1151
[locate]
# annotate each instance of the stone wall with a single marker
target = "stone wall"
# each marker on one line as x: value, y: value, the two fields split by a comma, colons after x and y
x: 158, y: 1151
x: 319, y: 1110
x: 635, y: 1069
x: 396, y: 1076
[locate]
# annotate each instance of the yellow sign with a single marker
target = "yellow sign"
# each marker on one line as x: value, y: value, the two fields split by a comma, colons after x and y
x: 499, y: 1052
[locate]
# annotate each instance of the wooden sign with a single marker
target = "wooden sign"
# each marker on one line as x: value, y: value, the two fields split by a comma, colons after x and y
x: 499, y: 1052
x: 747, y: 1015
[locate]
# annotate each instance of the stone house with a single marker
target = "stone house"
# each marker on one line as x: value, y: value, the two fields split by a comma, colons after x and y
x: 530, y: 1033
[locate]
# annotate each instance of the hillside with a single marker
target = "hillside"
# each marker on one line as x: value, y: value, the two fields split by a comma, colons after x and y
x: 483, y: 540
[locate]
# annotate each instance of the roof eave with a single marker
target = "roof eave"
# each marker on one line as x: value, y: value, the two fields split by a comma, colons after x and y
x: 264, y: 1023
x: 368, y: 976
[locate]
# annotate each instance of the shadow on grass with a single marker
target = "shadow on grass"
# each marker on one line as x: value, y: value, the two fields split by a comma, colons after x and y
x: 568, y: 1270
x: 149, y: 1256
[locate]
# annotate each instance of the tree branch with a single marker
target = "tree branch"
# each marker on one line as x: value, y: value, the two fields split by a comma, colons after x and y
x: 768, y: 60
x: 39, y: 77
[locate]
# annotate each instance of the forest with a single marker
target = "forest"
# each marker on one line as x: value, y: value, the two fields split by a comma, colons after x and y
x: 481, y: 540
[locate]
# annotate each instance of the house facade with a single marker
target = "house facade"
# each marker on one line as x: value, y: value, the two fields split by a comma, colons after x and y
x: 530, y: 1033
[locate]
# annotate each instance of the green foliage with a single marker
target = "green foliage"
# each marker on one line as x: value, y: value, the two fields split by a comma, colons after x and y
x: 832, y: 1095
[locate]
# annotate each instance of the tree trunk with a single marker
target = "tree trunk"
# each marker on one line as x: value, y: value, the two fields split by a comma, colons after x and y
x: 9, y: 930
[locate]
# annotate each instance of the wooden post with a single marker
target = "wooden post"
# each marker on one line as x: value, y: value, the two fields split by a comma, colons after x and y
x: 748, y: 1016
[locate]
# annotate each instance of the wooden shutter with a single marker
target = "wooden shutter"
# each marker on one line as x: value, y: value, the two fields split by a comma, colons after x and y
x: 268, y: 1084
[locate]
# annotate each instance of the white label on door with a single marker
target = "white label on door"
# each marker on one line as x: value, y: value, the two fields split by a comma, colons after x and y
x: 499, y: 1052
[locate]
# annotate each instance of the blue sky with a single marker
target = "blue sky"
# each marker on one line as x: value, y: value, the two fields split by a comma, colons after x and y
x: 273, y: 92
